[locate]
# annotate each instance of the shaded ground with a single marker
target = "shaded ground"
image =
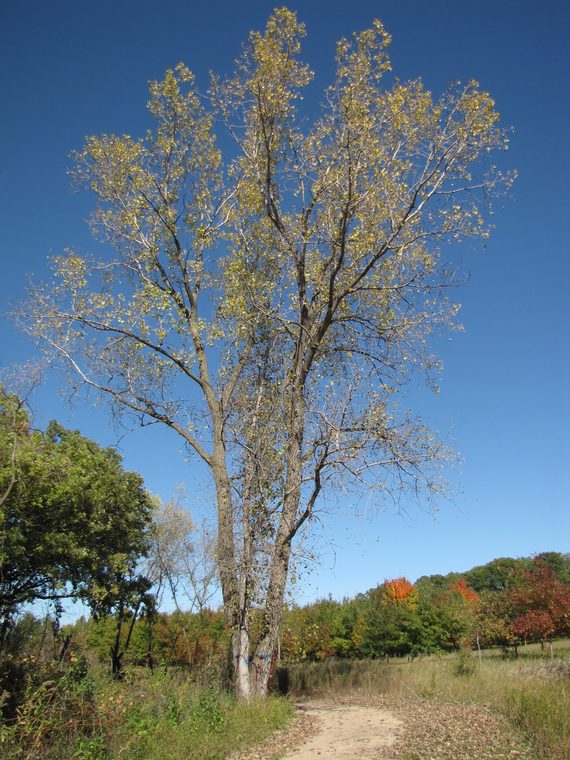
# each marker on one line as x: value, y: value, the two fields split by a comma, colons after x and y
x: 355, y: 727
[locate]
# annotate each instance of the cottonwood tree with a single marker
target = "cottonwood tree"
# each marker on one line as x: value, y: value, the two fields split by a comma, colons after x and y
x: 267, y: 305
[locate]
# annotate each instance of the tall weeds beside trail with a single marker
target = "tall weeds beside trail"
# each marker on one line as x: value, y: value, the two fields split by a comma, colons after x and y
x: 542, y: 711
x: 58, y: 716
x: 72, y: 713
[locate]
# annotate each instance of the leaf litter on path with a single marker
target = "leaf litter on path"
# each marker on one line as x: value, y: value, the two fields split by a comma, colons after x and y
x: 381, y: 728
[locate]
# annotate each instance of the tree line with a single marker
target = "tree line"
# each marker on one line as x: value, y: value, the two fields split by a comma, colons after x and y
x: 505, y: 603
x: 75, y: 525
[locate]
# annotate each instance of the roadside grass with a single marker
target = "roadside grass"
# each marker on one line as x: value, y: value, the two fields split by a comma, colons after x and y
x: 532, y: 692
x: 80, y: 714
x: 163, y: 719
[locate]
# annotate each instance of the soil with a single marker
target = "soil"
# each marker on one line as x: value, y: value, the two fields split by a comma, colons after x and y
x: 346, y: 732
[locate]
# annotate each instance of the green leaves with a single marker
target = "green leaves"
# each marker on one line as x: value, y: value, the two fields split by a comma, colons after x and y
x: 73, y: 524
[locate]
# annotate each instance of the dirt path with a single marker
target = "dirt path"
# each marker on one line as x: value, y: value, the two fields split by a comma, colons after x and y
x: 346, y: 732
x: 359, y: 727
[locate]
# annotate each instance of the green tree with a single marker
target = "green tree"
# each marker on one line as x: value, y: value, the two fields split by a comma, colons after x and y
x: 288, y: 289
x: 343, y: 643
x: 494, y: 624
x: 496, y: 575
x: 73, y: 523
x: 391, y: 628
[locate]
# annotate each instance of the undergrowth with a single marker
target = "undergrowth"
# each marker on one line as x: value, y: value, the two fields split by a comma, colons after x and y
x: 163, y: 717
x: 72, y: 713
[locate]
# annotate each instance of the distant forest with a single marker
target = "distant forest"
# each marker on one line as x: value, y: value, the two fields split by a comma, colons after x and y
x: 505, y: 603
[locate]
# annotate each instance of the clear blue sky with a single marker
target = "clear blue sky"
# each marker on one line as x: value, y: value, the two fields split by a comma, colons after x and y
x: 69, y: 69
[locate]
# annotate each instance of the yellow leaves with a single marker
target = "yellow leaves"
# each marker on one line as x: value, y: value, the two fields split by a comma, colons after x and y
x: 184, y: 73
x: 269, y: 77
x: 167, y: 94
x: 360, y: 194
x: 71, y: 269
x: 478, y: 109
x: 146, y: 186
x: 365, y: 60
x: 282, y: 39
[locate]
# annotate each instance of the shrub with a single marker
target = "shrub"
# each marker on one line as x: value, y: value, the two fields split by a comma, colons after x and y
x: 465, y: 664
x: 57, y: 717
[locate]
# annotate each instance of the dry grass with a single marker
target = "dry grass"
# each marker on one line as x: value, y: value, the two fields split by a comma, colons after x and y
x: 532, y: 694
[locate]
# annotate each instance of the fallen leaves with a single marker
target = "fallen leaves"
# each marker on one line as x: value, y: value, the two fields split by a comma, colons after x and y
x: 432, y: 730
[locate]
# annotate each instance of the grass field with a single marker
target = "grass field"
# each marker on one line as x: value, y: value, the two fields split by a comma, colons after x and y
x: 85, y: 715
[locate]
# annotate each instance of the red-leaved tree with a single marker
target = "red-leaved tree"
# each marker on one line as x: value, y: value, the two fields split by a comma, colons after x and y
x: 541, y: 603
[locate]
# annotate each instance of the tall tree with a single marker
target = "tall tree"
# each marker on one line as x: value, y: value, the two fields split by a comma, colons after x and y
x: 267, y: 307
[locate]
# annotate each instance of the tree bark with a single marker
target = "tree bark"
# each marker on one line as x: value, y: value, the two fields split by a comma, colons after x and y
x: 241, y: 663
x: 273, y: 613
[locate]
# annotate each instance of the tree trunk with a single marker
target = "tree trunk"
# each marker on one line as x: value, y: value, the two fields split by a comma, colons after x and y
x: 116, y: 654
x: 261, y: 666
x: 226, y: 543
x: 227, y: 565
x: 273, y: 613
x: 241, y: 663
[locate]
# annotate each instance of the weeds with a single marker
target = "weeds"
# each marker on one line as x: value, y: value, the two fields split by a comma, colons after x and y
x: 71, y: 713
x: 198, y: 725
x: 464, y: 664
x: 57, y: 718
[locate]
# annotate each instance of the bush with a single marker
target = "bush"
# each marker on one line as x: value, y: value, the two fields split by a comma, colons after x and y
x: 57, y: 716
x: 465, y: 664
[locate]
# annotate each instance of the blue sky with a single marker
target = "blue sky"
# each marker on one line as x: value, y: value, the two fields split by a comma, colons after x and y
x: 69, y: 69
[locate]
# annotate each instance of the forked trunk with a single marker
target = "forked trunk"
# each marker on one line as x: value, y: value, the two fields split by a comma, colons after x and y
x: 261, y: 664
x: 252, y: 674
x: 252, y: 667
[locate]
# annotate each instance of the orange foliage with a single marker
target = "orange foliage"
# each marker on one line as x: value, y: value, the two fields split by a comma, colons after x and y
x: 460, y: 587
x: 400, y: 590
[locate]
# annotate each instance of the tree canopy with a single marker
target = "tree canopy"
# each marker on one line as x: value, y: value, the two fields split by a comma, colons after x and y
x: 268, y: 304
x: 73, y: 522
